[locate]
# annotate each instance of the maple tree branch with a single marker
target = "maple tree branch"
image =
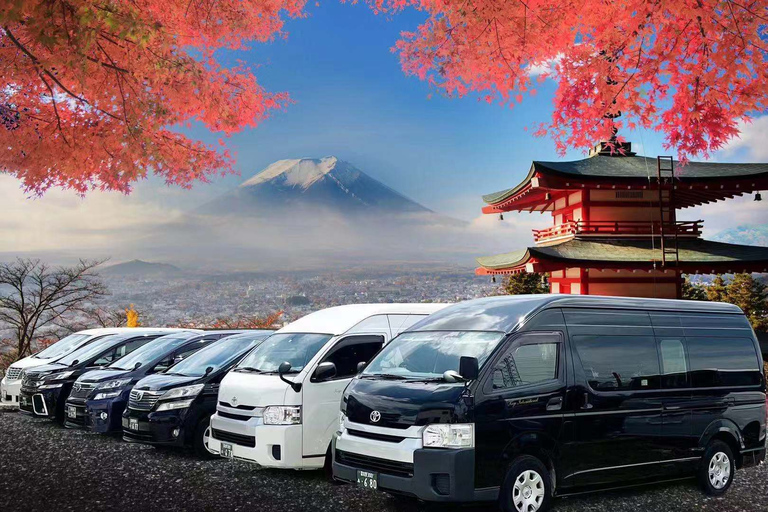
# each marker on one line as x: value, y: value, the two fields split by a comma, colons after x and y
x: 55, y: 110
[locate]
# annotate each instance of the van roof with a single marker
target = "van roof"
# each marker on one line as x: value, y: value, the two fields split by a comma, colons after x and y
x: 340, y: 319
x: 121, y: 330
x: 505, y: 313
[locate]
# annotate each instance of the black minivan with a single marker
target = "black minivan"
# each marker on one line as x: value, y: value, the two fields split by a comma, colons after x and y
x: 44, y: 389
x: 174, y: 408
x: 522, y: 398
x: 99, y: 397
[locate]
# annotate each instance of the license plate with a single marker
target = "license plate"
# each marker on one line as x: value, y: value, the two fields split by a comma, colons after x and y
x: 133, y: 424
x: 71, y: 411
x: 226, y: 450
x: 368, y: 479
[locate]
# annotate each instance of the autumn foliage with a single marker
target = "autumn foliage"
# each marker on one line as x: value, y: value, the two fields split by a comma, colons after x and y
x: 691, y: 69
x: 270, y: 321
x: 93, y: 91
x: 132, y: 317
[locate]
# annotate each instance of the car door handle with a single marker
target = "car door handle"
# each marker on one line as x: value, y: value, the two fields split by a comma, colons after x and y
x: 555, y: 404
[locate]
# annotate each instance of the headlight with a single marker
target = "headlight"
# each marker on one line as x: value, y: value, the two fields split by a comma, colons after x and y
x: 59, y: 376
x: 282, y: 415
x: 178, y: 404
x: 445, y: 435
x: 183, y: 392
x: 342, y: 417
x: 108, y: 394
x: 112, y: 384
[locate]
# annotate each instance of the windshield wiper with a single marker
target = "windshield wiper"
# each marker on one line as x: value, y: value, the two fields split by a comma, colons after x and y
x: 248, y: 369
x: 390, y: 376
x: 176, y: 373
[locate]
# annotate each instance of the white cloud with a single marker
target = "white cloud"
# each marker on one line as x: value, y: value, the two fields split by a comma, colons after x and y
x: 753, y: 141
x: 546, y: 67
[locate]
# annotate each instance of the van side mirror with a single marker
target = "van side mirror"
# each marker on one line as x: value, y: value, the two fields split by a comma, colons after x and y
x: 324, y: 371
x: 284, y: 368
x: 361, y: 366
x: 469, y: 368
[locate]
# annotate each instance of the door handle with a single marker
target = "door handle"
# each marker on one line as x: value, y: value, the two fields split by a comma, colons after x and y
x: 555, y: 404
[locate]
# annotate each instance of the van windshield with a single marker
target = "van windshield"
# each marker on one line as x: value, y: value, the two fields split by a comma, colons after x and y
x: 428, y: 354
x: 88, y: 352
x: 295, y: 348
x: 62, y: 347
x: 218, y: 355
x: 154, y: 350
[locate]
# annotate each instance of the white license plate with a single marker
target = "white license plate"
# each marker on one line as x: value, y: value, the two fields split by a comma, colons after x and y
x: 71, y: 411
x: 226, y: 450
x: 133, y: 424
x: 367, y: 479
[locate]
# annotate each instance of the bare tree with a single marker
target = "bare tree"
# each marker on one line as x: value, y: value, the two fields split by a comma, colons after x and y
x: 92, y: 317
x: 35, y: 298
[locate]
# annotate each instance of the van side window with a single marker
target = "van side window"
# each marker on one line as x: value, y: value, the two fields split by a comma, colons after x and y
x: 619, y: 363
x: 351, y: 351
x: 723, y: 362
x: 674, y: 366
x: 526, y: 364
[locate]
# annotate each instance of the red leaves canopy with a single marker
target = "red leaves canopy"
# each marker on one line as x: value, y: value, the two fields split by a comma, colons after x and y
x: 92, y: 89
x: 691, y: 69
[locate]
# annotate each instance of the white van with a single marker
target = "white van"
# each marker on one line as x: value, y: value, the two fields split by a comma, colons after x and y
x: 10, y: 386
x: 279, y: 407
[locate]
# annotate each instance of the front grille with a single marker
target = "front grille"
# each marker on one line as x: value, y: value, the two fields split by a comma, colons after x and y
x: 231, y: 416
x: 81, y: 390
x: 377, y: 437
x: 241, y: 407
x: 13, y: 373
x: 231, y: 437
x: 143, y: 400
x: 389, y: 467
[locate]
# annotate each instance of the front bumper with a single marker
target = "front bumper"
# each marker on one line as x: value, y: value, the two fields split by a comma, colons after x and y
x: 155, y: 427
x: 105, y: 416
x: 9, y: 392
x: 272, y: 446
x: 446, y: 475
x: 40, y: 403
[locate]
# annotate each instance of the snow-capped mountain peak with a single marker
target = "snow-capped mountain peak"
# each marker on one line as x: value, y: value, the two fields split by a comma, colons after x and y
x: 301, y: 172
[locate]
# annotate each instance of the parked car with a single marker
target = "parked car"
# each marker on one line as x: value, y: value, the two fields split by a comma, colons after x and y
x: 174, y: 407
x: 279, y: 406
x: 519, y: 399
x: 44, y: 389
x: 99, y: 397
x: 10, y: 386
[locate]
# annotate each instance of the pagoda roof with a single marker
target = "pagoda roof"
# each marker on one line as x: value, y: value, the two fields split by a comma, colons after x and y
x: 636, y: 171
x: 695, y: 255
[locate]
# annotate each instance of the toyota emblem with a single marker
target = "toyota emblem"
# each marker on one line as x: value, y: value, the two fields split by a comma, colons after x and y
x: 139, y: 395
x: 375, y: 416
x: 234, y: 400
x: 77, y: 386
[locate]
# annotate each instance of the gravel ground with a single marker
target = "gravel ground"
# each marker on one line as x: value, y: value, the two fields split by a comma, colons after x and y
x: 46, y: 467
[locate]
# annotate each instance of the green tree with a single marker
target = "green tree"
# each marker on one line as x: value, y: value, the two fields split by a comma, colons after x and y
x: 525, y: 283
x: 694, y: 291
x: 752, y: 297
x: 717, y: 291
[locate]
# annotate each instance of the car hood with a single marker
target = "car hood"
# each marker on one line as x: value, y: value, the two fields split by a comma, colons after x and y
x: 161, y: 382
x: 29, y: 362
x: 46, y: 368
x: 402, y: 404
x: 249, y: 389
x: 103, y: 375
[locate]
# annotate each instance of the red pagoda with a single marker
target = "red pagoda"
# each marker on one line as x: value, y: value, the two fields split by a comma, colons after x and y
x: 615, y: 225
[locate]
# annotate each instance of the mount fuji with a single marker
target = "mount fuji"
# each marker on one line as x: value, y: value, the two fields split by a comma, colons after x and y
x: 327, y: 184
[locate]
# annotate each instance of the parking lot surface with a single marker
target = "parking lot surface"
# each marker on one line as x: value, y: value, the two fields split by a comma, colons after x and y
x: 46, y: 467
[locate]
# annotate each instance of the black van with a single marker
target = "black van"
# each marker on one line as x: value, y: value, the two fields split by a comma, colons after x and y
x: 522, y: 398
x: 44, y: 389
x: 174, y: 408
x: 98, y: 398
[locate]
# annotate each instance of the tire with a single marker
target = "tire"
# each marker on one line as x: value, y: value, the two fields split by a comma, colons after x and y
x: 199, y: 441
x: 527, y: 486
x: 717, y: 469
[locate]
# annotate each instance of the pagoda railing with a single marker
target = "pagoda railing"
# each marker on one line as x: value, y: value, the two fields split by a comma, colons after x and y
x: 621, y: 228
